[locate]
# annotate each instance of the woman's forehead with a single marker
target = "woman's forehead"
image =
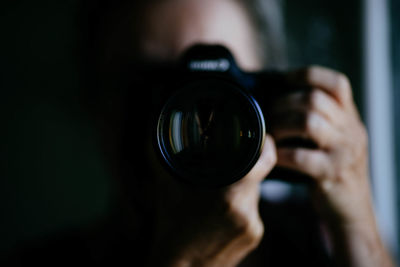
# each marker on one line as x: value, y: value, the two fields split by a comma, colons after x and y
x: 168, y: 27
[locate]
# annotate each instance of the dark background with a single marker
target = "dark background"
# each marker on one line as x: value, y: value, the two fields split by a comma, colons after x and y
x: 53, y: 175
x: 52, y: 172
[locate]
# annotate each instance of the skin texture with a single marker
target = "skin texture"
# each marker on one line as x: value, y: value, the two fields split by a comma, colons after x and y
x: 169, y: 27
x: 198, y: 227
x: 328, y: 116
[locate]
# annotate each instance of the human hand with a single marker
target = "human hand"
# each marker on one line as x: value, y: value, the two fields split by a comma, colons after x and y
x: 208, y: 227
x: 338, y: 165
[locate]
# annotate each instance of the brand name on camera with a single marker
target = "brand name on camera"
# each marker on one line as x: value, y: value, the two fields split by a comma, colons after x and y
x: 220, y: 65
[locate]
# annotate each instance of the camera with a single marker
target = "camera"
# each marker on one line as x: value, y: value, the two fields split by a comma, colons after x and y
x: 210, y: 126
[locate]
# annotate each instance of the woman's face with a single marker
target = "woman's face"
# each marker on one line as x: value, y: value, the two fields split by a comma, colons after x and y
x: 162, y: 29
x: 168, y: 27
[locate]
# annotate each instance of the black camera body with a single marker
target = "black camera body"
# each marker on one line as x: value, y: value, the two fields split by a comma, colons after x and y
x: 210, y: 127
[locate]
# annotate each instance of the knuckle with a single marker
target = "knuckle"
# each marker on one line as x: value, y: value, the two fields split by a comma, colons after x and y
x: 238, y: 220
x: 241, y: 224
x: 250, y: 231
x: 266, y: 161
x: 311, y: 123
x: 270, y: 159
x: 299, y: 158
x: 266, y: 166
x: 310, y: 72
x: 253, y: 234
x: 315, y: 98
x: 343, y: 80
x: 341, y: 177
x: 270, y: 154
x: 343, y: 85
x: 232, y: 208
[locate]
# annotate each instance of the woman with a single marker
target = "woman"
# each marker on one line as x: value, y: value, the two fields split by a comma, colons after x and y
x: 167, y: 223
x: 191, y: 226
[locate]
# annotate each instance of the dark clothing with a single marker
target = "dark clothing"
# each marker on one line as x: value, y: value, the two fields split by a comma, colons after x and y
x: 291, y: 238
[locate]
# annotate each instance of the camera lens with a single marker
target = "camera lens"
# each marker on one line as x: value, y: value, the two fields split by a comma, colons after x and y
x: 210, y: 132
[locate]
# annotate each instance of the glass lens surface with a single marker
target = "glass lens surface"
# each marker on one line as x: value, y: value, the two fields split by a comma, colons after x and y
x: 210, y: 132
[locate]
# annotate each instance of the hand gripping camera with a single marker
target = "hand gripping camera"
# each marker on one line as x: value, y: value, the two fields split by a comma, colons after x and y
x: 210, y: 129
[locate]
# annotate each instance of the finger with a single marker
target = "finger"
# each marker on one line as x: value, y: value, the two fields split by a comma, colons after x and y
x: 314, y: 100
x: 305, y: 125
x: 332, y: 82
x: 297, y: 100
x: 324, y: 104
x: 265, y: 163
x: 314, y: 163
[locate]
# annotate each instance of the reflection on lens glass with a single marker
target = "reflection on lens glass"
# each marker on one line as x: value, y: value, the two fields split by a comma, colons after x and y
x: 210, y: 132
x: 176, y: 134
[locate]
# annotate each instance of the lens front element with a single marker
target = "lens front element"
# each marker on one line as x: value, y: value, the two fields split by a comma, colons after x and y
x: 210, y: 132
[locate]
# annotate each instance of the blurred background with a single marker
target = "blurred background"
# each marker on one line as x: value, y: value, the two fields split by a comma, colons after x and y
x: 52, y: 175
